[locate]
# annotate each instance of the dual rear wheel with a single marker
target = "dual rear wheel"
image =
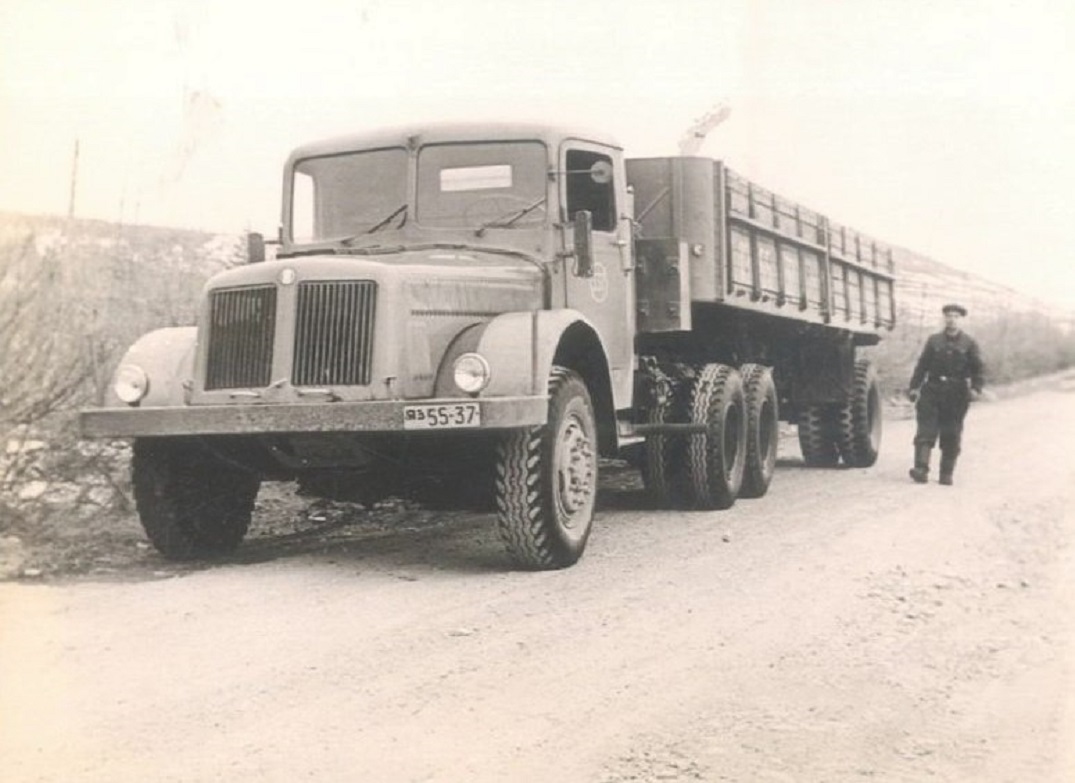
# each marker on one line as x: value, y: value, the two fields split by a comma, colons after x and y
x: 733, y: 456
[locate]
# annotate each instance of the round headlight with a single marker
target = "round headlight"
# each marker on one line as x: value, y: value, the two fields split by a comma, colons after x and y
x: 471, y: 373
x: 130, y: 383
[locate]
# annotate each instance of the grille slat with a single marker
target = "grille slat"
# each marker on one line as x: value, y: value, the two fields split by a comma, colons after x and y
x: 334, y: 333
x: 242, y: 323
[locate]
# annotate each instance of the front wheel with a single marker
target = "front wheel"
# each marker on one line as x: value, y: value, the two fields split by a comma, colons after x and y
x: 546, y: 480
x: 193, y: 503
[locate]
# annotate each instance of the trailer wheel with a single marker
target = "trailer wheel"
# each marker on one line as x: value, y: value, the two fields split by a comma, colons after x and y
x: 818, y: 436
x: 546, y: 480
x: 859, y: 430
x: 763, y: 434
x: 717, y: 456
x: 192, y: 502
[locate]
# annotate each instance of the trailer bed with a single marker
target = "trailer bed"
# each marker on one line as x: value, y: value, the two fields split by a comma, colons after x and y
x: 707, y: 235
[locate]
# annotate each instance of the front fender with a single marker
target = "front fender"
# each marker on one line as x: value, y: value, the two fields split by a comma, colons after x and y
x: 167, y: 356
x: 519, y: 347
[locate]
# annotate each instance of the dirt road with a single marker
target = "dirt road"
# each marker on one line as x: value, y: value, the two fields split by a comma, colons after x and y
x: 850, y: 626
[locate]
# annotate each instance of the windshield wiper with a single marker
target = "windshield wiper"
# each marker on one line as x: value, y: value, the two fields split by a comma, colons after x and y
x: 401, y: 209
x: 509, y: 221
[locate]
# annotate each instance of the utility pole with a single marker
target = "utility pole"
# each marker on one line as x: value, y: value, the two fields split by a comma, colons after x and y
x: 74, y: 183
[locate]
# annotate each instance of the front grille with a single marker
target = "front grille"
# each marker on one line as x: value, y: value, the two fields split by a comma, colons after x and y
x: 334, y: 333
x: 242, y: 322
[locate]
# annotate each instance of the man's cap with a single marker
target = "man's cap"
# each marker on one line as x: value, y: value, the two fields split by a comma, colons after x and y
x: 954, y: 308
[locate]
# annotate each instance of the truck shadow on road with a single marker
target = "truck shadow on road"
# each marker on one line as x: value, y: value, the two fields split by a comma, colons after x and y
x: 395, y: 539
x: 402, y: 536
x: 399, y: 533
x: 396, y: 535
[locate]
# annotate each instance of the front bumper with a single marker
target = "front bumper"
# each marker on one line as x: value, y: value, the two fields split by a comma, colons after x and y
x: 378, y: 416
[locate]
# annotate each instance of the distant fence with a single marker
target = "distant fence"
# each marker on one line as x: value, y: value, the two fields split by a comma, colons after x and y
x: 1020, y: 336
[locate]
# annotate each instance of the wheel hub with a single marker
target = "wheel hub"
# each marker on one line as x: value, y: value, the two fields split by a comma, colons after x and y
x: 576, y: 472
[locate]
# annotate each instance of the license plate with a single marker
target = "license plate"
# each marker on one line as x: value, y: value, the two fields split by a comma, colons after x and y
x: 442, y: 417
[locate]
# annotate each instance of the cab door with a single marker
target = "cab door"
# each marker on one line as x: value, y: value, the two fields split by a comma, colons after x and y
x: 606, y: 296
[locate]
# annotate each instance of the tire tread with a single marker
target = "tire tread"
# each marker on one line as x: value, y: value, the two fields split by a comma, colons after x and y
x: 757, y: 389
x: 526, y: 517
x: 713, y: 485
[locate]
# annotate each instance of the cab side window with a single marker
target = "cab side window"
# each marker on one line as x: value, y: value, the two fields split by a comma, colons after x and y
x: 583, y: 193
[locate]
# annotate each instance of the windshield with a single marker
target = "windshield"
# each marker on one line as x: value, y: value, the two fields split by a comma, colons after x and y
x: 481, y: 185
x: 477, y: 186
x: 339, y: 196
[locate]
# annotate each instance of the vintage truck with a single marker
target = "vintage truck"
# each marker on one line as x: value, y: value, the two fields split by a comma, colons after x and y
x: 497, y: 308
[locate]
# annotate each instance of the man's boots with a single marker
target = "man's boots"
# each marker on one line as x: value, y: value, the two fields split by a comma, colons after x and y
x: 948, y: 466
x: 920, y: 471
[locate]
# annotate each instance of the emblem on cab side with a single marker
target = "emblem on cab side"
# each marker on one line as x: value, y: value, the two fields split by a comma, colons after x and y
x: 599, y: 283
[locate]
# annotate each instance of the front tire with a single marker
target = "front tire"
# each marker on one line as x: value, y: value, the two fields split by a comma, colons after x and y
x: 763, y: 429
x: 546, y: 480
x: 192, y: 502
x: 717, y: 456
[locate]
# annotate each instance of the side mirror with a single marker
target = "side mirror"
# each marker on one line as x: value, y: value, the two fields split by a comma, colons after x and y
x: 255, y: 247
x: 601, y: 172
x: 583, y: 238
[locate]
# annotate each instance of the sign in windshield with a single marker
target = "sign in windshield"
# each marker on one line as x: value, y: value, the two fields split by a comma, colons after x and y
x: 493, y: 177
x: 481, y: 184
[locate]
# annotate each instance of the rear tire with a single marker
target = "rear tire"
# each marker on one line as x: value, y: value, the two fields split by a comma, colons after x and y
x: 817, y: 436
x: 664, y: 465
x: 763, y: 429
x: 546, y: 480
x: 717, y: 456
x: 859, y: 424
x: 193, y: 503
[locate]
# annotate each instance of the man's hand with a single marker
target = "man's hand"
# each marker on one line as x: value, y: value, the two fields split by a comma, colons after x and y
x: 912, y: 395
x: 975, y: 395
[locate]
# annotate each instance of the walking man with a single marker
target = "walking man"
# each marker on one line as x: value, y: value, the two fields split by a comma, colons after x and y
x: 948, y: 375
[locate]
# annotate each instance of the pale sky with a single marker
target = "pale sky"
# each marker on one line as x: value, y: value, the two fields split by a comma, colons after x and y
x: 947, y: 127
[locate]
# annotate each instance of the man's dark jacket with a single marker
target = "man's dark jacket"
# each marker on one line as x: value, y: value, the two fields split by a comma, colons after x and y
x: 949, y: 360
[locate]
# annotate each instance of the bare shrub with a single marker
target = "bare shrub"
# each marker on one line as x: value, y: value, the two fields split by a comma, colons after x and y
x: 73, y: 296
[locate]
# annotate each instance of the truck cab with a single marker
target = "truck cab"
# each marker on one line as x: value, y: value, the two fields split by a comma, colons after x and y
x: 452, y: 227
x: 432, y: 291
